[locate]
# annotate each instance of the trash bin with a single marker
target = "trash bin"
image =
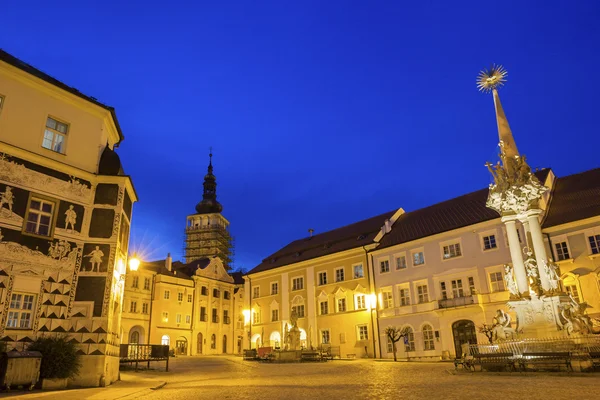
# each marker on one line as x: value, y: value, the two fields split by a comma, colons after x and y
x: 20, y: 368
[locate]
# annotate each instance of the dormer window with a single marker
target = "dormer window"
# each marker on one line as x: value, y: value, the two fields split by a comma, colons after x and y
x: 55, y: 135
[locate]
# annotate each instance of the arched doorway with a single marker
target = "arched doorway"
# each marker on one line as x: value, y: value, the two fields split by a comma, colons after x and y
x: 134, y: 338
x: 239, y: 344
x: 181, y: 346
x: 213, y: 341
x: 224, y: 344
x: 200, y: 342
x: 464, y: 332
x: 165, y: 340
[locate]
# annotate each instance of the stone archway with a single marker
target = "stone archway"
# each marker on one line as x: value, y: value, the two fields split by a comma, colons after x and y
x: 463, y: 332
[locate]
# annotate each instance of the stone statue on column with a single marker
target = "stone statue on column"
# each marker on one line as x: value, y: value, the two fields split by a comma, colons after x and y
x: 510, y: 283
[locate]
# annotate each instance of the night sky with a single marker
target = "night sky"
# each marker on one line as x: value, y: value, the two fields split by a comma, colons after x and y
x: 320, y: 113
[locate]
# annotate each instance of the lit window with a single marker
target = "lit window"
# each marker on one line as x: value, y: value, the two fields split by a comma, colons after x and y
x: 562, y: 251
x: 324, y: 305
x: 322, y: 278
x: 133, y: 306
x: 341, y: 303
x: 256, y: 292
x: 418, y: 258
x: 361, y: 302
x: 422, y: 294
x: 471, y: 285
x: 594, y: 244
x: 325, y: 339
x: 274, y: 315
x: 489, y: 242
x: 410, y: 344
x: 443, y: 290
x: 39, y: 217
x: 255, y: 317
x: 167, y: 295
x: 428, y: 343
x: 274, y: 288
x: 298, y: 283
x: 404, y: 297
x: 497, y: 282
x: 189, y: 297
x: 134, y: 282
x: 572, y: 290
x: 299, y: 310
x: 188, y: 319
x: 401, y: 262
x: 165, y: 340
x: 179, y: 296
x: 358, y: 271
x: 339, y: 275
x: 165, y: 316
x: 54, y: 135
x: 178, y: 318
x: 457, y: 288
x: 20, y: 311
x: 363, y: 332
x: 384, y: 266
x: 388, y: 300
x: 452, y: 250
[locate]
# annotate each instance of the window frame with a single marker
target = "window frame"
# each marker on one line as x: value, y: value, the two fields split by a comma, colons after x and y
x: 496, y: 281
x: 453, y: 246
x: 428, y: 342
x: 255, y: 292
x: 362, y: 270
x: 166, y: 294
x: 322, y: 278
x: 275, y: 315
x: 337, y: 304
x: 56, y: 133
x: 326, y: 308
x: 325, y: 333
x: 52, y: 226
x: 362, y: 332
x: 362, y: 302
x: 20, y: 311
x: 404, y: 300
x: 412, y: 256
x: 133, y: 306
x: 387, y: 298
x: 299, y: 279
x: 180, y: 297
x: 397, y: 258
x: 384, y: 265
x: 276, y: 286
x: 422, y: 291
x: 146, y: 283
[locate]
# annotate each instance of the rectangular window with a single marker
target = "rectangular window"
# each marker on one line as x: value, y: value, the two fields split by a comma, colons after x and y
x: 390, y: 345
x: 428, y: 343
x: 178, y: 318
x: 204, y: 291
x: 388, y: 300
x: 562, y: 251
x: 410, y: 346
x: 322, y: 278
x: 216, y: 293
x: 167, y: 295
x: 418, y: 258
x: 489, y: 242
x: 363, y: 332
x: 165, y: 316
x: 384, y: 266
x: 274, y: 288
x: 274, y: 315
x: 324, y: 306
x: 203, y: 316
x: 256, y: 292
x: 40, y: 214
x: 457, y: 288
x: 572, y: 290
x: 1, y: 102
x: 594, y: 244
x: 361, y: 303
x: 339, y: 275
x: 144, y: 308
x: 188, y: 319
x: 452, y: 250
x: 226, y: 317
x: 325, y: 339
x: 358, y: 271
x: 299, y: 310
x: 298, y: 283
x: 135, y: 282
x: 133, y: 306
x: 146, y: 283
x: 215, y: 315
x: 189, y: 297
x: 401, y: 262
x: 55, y: 135
x: 20, y: 312
x: 471, y: 285
x: 404, y: 297
x: 497, y: 282
x: 179, y: 296
x: 341, y: 303
x: 443, y: 290
x: 422, y: 294
x: 255, y: 317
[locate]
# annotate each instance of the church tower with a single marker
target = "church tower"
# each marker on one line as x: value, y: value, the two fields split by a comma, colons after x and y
x: 206, y: 232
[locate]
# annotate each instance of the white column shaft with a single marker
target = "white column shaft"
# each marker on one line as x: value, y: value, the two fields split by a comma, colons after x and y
x: 539, y: 248
x: 517, y: 256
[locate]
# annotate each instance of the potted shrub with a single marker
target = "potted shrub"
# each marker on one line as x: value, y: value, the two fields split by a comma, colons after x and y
x: 60, y: 361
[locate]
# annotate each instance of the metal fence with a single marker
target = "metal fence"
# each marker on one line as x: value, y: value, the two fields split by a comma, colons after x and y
x: 573, y: 345
x: 136, y: 353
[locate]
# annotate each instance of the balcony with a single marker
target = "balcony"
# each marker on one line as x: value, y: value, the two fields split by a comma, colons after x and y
x: 226, y: 320
x: 215, y: 319
x: 203, y: 317
x: 456, y: 302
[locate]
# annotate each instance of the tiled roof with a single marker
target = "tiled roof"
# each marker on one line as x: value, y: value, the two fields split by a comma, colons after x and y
x: 238, y: 277
x: 345, y: 238
x: 23, y: 66
x: 574, y: 197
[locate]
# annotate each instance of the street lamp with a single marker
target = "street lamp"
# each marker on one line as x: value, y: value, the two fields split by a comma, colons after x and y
x: 134, y: 263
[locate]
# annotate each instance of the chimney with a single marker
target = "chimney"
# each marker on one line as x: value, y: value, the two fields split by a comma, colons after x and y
x: 310, y: 232
x: 168, y: 262
x: 388, y: 226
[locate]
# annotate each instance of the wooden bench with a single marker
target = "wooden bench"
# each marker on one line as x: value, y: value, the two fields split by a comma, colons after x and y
x: 350, y: 355
x: 595, y: 358
x: 493, y: 360
x: 557, y: 359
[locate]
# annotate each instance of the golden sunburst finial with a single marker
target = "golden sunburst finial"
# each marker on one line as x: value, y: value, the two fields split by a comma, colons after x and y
x: 491, y: 79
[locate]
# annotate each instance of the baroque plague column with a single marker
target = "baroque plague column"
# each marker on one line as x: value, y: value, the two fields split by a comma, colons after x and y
x: 537, y: 298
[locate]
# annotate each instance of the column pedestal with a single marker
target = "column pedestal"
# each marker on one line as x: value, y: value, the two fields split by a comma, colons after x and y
x: 540, y: 317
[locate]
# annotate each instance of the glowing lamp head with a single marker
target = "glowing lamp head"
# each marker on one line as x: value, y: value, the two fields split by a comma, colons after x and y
x: 134, y: 263
x: 246, y: 314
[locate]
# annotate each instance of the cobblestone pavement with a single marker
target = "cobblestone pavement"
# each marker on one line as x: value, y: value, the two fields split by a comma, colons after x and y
x: 233, y: 378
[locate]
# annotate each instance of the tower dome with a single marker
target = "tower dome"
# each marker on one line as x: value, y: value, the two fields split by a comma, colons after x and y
x: 209, y: 203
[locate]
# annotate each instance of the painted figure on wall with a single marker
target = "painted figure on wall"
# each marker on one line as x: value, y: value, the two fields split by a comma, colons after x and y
x: 95, y: 258
x: 70, y: 218
x: 7, y: 198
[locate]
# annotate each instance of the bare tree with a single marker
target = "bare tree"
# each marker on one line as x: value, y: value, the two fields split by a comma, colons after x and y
x: 488, y: 331
x: 394, y: 335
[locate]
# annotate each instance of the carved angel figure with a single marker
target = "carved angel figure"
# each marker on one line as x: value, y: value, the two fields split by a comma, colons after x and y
x: 550, y: 271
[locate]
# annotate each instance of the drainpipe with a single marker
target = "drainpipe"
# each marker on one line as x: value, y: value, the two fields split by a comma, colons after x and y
x: 370, y: 270
x: 551, y: 247
x: 151, y: 302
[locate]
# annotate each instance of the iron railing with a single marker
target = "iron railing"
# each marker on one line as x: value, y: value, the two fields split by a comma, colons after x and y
x: 573, y: 345
x: 456, y: 302
x: 136, y: 353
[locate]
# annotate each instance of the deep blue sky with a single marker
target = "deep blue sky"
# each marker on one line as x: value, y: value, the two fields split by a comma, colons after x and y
x: 320, y: 113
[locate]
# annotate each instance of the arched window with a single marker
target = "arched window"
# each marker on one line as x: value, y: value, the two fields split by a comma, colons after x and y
x: 165, y: 340
x: 410, y: 346
x: 134, y: 338
x: 428, y: 343
x: 213, y: 341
